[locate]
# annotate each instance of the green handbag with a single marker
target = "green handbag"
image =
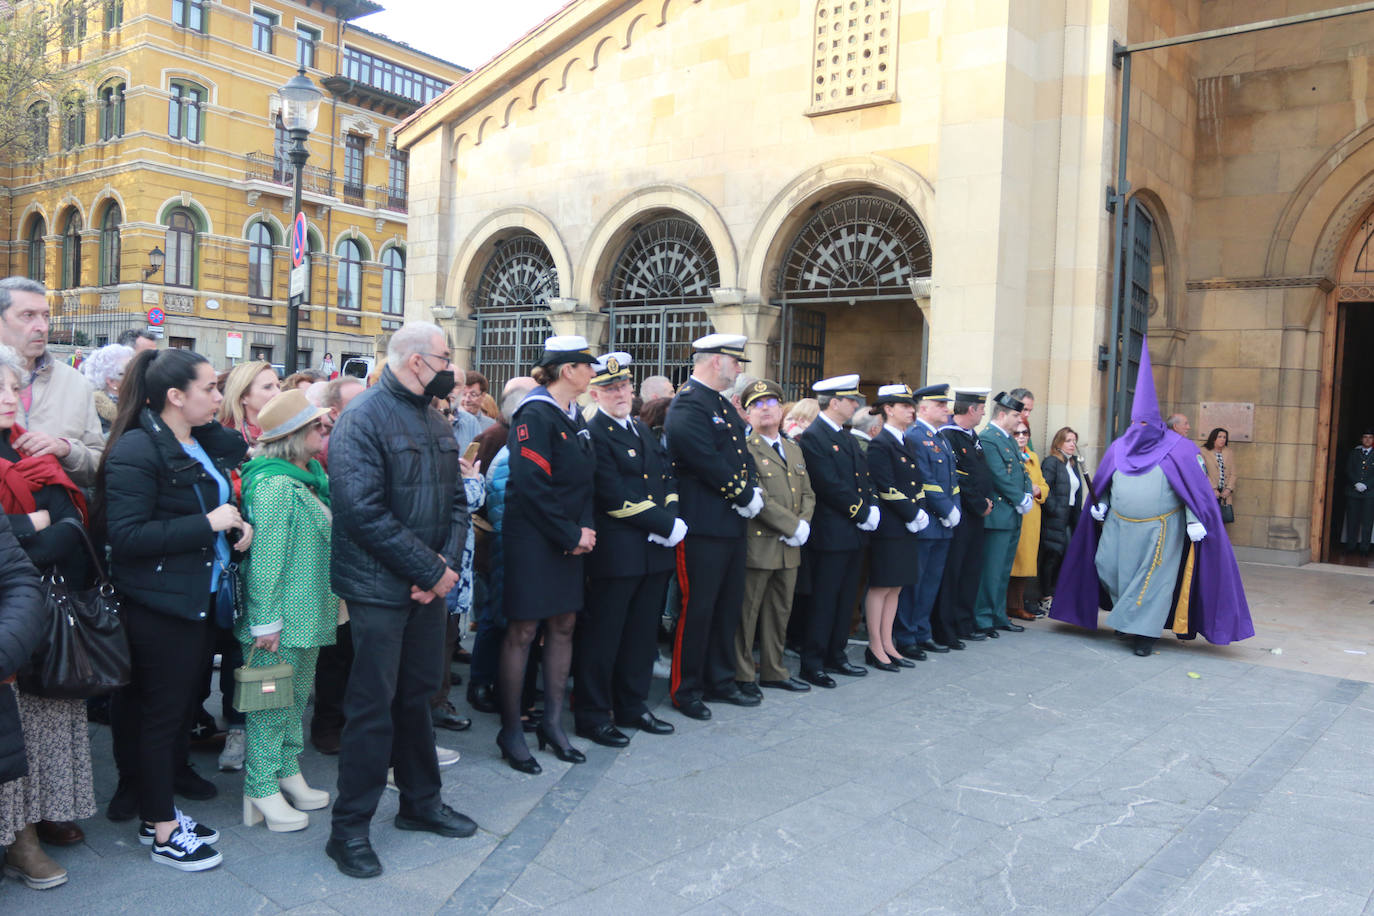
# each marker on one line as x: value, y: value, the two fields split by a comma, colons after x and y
x: 268, y: 687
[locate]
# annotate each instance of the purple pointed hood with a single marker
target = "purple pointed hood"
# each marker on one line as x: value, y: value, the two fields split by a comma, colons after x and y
x: 1147, y: 440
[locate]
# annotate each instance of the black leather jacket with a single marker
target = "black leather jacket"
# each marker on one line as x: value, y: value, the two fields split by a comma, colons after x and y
x: 397, y: 496
x: 23, y: 625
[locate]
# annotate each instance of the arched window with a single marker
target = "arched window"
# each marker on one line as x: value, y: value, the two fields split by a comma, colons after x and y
x: 186, y: 111
x: 38, y: 129
x: 73, y: 122
x: 109, y: 245
x: 112, y: 111
x: 260, y: 261
x: 865, y: 246
x: 510, y: 304
x: 38, y: 253
x: 393, y: 287
x: 179, y: 269
x: 71, y: 250
x: 350, y: 281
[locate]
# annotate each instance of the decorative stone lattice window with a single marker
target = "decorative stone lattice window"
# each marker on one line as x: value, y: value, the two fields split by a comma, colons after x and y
x: 855, y: 55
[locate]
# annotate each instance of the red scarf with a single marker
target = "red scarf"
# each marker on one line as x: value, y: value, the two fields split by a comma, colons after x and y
x: 19, y: 480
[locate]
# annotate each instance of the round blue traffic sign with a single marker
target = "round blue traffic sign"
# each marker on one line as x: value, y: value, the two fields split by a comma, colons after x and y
x: 298, y: 246
x: 156, y: 316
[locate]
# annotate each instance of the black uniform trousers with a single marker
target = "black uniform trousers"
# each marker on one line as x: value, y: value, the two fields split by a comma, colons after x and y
x: 710, y: 573
x: 386, y: 709
x: 953, y: 616
x: 151, y: 717
x: 616, y: 643
x: 331, y: 681
x: 1360, y: 521
x: 834, y: 585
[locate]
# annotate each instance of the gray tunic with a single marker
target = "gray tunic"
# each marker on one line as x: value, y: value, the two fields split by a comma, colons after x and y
x: 1138, y: 555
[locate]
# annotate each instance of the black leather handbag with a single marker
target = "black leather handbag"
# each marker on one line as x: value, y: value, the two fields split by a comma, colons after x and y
x: 1228, y: 512
x: 86, y: 653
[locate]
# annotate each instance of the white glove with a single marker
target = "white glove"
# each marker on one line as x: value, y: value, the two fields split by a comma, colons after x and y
x: 1024, y: 505
x: 755, y: 505
x: 1099, y: 512
x: 679, y: 532
x: 872, y: 521
x: 949, y: 521
x: 802, y: 533
x: 919, y: 523
x: 1196, y: 531
x: 1361, y: 487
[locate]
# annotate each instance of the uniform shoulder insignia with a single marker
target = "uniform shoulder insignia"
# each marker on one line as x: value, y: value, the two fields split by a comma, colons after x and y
x: 522, y: 432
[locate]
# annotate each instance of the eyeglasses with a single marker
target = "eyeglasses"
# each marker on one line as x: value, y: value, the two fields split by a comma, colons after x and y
x: 764, y: 402
x: 1022, y: 432
x: 447, y: 411
x: 448, y: 360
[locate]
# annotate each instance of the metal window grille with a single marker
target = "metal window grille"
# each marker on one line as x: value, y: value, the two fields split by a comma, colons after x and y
x: 1136, y: 302
x: 509, y: 344
x: 860, y: 247
x: 510, y: 303
x: 666, y: 262
x: 801, y: 358
x: 658, y: 338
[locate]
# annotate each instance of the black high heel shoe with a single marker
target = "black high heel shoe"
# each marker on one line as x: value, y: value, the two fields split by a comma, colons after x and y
x: 873, y: 662
x: 567, y: 754
x: 527, y: 765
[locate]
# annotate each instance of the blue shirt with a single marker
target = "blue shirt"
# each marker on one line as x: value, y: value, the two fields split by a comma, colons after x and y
x: 194, y: 449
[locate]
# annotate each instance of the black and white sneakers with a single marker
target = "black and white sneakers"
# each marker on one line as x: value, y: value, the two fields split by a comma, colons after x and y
x: 187, y: 849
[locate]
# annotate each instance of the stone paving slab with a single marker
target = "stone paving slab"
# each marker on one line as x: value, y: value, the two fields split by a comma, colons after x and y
x: 1045, y: 772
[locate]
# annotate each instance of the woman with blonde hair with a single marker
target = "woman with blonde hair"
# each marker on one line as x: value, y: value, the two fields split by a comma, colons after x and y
x: 1028, y: 548
x: 1068, y: 491
x: 247, y: 389
x: 801, y: 415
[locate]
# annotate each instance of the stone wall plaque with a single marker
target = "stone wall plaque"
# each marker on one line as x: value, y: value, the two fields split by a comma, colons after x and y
x: 176, y: 302
x: 1237, y: 419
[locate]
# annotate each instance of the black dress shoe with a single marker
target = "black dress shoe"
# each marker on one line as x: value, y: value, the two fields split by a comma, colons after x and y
x: 124, y: 805
x: 1145, y: 646
x: 749, y: 689
x: 442, y: 820
x: 189, y: 784
x: 991, y: 633
x: 526, y: 764
x: 818, y: 678
x: 874, y: 662
x: 901, y: 662
x: 445, y: 716
x: 694, y: 709
x: 975, y: 636
x: 931, y: 645
x: 605, y: 734
x: 796, y: 685
x: 915, y: 653
x: 734, y: 696
x: 326, y: 743
x: 568, y: 754
x: 1011, y: 627
x: 847, y: 668
x: 648, y: 722
x: 482, y: 697
x: 956, y: 644
x: 354, y: 857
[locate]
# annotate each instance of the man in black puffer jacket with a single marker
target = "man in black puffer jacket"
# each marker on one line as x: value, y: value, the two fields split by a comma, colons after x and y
x: 400, y: 522
x: 23, y: 624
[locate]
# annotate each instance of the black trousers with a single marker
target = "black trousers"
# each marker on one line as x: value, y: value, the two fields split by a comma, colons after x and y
x: 1360, y: 523
x: 386, y: 712
x: 331, y: 680
x: 224, y: 644
x: 151, y: 718
x: 710, y: 573
x: 614, y: 649
x: 834, y: 584
x: 953, y: 616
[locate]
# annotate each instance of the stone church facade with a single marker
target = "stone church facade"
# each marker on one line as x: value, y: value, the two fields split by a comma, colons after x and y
x: 919, y: 190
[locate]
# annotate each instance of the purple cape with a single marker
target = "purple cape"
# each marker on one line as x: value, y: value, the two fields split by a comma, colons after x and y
x: 1217, y: 606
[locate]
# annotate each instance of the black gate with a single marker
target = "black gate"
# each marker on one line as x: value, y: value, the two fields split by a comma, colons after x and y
x: 1136, y: 306
x: 658, y: 338
x: 802, y: 350
x: 509, y: 344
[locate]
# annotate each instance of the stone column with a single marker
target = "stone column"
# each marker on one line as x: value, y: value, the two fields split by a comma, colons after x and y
x: 731, y: 313
x: 568, y: 316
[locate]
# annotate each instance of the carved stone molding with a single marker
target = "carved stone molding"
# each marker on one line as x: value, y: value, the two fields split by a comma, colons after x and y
x: 1322, y: 283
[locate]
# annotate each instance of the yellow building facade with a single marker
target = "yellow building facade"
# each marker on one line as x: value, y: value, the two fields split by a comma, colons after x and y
x: 171, y: 141
x: 928, y: 190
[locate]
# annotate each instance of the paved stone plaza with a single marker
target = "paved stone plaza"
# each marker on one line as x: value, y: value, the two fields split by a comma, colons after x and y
x: 1045, y: 772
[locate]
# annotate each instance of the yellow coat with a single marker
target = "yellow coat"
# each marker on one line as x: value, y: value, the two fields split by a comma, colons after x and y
x: 1028, y: 548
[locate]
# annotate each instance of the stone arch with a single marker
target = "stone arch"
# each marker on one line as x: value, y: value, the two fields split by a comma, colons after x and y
x: 630, y: 30
x: 472, y: 255
x: 198, y: 213
x: 482, y: 128
x: 273, y: 224
x: 663, y: 12
x: 191, y: 76
x: 790, y: 208
x: 598, y: 51
x: 352, y: 233
x: 537, y: 92
x: 509, y: 114
x: 68, y: 203
x: 26, y: 218
x: 1172, y: 316
x: 567, y: 73
x: 104, y: 198
x: 611, y: 231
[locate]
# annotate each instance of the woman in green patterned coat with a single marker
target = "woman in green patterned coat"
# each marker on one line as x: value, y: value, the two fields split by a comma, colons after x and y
x: 290, y: 610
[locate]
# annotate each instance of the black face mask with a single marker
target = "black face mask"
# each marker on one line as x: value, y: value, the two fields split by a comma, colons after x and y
x: 442, y: 385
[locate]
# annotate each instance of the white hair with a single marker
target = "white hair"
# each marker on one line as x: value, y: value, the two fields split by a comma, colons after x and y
x: 105, y: 363
x: 413, y: 337
x: 10, y: 362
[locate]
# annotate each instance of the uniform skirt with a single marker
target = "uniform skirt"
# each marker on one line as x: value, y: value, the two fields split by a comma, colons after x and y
x: 892, y: 562
x: 541, y: 580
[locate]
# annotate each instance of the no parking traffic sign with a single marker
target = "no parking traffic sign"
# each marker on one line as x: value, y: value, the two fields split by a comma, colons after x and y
x: 298, y: 246
x: 156, y: 316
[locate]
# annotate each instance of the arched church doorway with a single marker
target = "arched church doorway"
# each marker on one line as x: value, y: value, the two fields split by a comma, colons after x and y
x: 510, y: 304
x: 1352, y: 412
x: 846, y: 295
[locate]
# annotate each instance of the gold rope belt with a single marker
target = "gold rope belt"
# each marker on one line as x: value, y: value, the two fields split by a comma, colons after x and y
x: 1159, y: 546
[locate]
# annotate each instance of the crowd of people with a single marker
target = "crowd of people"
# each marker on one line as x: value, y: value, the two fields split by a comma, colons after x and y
x: 350, y: 534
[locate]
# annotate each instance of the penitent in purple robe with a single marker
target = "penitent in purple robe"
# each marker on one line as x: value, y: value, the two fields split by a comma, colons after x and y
x: 1217, y: 606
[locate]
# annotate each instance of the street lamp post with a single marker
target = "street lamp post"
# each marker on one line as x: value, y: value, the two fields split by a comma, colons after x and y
x: 300, y: 112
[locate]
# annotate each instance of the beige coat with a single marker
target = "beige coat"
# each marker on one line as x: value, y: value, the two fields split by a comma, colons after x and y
x: 1228, y: 457
x: 63, y: 405
x: 787, y: 498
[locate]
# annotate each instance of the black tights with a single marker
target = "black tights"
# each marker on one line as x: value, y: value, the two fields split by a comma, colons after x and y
x: 557, y: 660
